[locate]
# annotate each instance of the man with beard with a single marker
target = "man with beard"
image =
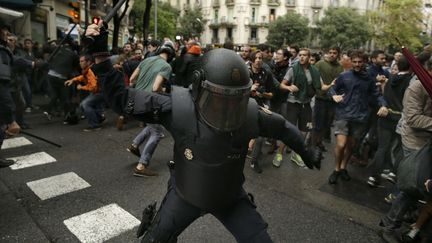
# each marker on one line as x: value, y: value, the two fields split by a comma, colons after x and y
x: 329, y: 69
x: 352, y: 91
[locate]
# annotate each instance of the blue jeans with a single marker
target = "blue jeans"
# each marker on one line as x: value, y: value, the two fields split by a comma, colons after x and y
x: 92, y: 106
x: 26, y: 90
x: 154, y: 134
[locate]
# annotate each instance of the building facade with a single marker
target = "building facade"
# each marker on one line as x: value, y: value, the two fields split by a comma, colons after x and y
x: 246, y: 21
x: 50, y: 19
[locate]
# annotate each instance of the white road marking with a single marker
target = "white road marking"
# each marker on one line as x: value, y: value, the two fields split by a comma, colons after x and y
x: 57, y: 185
x: 31, y: 160
x: 15, y: 142
x: 101, y: 224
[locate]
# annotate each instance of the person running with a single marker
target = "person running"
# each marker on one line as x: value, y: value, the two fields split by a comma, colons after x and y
x: 150, y: 76
x: 301, y: 82
x: 352, y: 92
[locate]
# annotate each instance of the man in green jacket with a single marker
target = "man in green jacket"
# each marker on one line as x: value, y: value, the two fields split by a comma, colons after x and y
x: 302, y: 81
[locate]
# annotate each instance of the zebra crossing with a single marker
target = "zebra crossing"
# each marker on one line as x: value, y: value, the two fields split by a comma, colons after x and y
x: 98, y: 225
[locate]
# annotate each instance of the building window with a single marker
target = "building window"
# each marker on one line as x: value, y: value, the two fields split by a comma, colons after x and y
x: 230, y: 14
x: 215, y: 33
x: 216, y: 16
x: 272, y: 16
x: 254, y: 15
x: 229, y: 33
x: 334, y: 3
x: 290, y: 2
x: 254, y: 33
x: 315, y: 16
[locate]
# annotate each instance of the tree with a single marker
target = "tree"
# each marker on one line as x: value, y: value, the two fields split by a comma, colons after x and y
x: 398, y: 18
x: 117, y: 20
x: 166, y: 19
x: 288, y: 29
x: 343, y: 27
x: 191, y: 24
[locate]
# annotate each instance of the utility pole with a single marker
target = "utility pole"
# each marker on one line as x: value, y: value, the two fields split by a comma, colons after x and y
x: 155, y: 19
x: 86, y: 12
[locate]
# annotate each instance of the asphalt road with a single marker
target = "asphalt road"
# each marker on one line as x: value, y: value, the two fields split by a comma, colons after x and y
x: 291, y: 199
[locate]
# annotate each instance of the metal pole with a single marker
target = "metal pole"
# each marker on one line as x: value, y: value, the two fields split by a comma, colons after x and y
x: 155, y: 19
x: 86, y: 13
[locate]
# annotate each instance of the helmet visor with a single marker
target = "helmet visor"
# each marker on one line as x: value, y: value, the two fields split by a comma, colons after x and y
x: 223, y: 108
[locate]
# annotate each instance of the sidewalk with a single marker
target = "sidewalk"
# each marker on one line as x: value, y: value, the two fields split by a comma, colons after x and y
x: 16, y: 225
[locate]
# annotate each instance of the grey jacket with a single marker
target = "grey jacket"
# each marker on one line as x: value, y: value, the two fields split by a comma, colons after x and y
x: 416, y: 127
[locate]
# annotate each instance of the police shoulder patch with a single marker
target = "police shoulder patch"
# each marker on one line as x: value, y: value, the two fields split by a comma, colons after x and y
x: 235, y: 75
x: 188, y: 154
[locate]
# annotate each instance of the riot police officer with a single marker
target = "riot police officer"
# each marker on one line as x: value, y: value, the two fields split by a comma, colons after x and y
x: 7, y: 107
x: 211, y: 124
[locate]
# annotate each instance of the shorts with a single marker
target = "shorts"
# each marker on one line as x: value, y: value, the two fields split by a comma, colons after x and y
x: 298, y: 114
x: 323, y: 114
x: 352, y: 129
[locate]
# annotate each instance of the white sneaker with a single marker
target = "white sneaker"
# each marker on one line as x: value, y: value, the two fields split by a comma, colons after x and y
x: 391, y: 177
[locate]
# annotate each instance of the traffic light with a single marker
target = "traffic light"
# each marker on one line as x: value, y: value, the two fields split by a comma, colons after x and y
x: 74, y: 12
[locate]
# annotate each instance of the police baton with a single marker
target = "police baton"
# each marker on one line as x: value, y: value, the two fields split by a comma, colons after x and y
x: 106, y: 18
x: 61, y: 43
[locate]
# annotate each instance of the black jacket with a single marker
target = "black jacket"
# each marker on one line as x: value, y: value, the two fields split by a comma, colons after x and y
x: 65, y: 62
x: 394, y: 91
x: 184, y: 69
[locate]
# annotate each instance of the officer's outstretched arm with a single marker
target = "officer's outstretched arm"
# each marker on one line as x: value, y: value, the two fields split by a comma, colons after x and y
x: 273, y: 125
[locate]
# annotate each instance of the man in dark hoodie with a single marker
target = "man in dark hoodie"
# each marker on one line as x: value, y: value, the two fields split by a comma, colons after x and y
x: 352, y: 91
x: 63, y: 65
x: 188, y: 63
x: 393, y: 94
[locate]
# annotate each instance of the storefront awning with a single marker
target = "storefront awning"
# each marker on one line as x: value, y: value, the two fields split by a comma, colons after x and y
x: 10, y: 14
x: 17, y: 4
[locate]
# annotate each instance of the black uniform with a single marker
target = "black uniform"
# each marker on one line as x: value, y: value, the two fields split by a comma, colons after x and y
x: 209, y: 159
x: 7, y: 106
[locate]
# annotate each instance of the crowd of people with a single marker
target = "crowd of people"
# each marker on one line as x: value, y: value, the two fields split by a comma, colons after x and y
x: 374, y: 104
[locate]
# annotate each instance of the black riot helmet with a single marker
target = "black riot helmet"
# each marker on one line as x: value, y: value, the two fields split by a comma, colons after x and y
x: 221, y: 90
x: 168, y: 48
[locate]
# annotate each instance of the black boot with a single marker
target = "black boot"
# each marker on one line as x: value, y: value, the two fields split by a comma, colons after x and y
x: 6, y: 162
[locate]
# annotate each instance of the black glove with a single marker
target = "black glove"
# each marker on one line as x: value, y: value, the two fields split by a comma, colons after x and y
x: 41, y: 64
x: 97, y: 45
x: 313, y: 158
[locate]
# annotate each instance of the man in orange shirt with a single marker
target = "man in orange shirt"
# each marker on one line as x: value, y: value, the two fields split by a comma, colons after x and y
x: 92, y: 105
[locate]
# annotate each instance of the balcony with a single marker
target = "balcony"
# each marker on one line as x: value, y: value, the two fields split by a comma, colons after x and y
x: 216, y: 3
x: 222, y: 22
x: 290, y: 3
x: 317, y: 4
x: 257, y: 24
x: 229, y: 2
x: 255, y: 2
x: 253, y: 41
x: 273, y: 3
x: 215, y: 40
